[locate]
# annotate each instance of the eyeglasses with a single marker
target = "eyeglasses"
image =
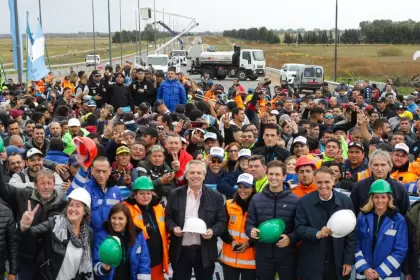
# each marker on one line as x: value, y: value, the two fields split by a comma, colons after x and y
x: 214, y: 161
x: 329, y: 117
x: 233, y: 151
x: 400, y: 155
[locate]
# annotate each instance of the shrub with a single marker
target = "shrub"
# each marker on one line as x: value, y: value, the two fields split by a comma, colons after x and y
x: 390, y: 51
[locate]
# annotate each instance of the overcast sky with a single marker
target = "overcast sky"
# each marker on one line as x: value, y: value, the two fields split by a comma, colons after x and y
x: 72, y: 16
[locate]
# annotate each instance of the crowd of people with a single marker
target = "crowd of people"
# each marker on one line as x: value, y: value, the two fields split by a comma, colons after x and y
x: 135, y: 155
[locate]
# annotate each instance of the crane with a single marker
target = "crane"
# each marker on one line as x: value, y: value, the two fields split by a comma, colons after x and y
x: 171, y: 31
x: 187, y: 29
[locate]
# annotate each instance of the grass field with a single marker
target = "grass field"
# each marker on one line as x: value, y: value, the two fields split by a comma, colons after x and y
x: 354, y: 61
x: 68, y: 50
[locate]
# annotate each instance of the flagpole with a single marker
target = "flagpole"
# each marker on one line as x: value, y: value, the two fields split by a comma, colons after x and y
x: 40, y: 21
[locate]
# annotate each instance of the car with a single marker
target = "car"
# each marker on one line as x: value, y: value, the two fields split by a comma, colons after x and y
x: 200, y: 42
x: 288, y: 70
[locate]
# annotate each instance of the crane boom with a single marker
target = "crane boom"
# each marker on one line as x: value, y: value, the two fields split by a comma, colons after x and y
x: 187, y: 29
x: 171, y: 31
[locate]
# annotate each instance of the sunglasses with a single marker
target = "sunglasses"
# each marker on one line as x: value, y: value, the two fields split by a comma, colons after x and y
x: 329, y: 117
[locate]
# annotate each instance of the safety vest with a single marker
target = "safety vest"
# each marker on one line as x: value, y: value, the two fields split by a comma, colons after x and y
x: 137, y: 218
x: 363, y: 175
x: 404, y: 177
x: 260, y: 184
x: 236, y: 228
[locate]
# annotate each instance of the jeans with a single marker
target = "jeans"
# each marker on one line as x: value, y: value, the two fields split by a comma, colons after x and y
x: 26, y: 271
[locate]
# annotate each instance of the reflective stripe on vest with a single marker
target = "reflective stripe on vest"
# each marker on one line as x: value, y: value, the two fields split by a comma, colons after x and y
x: 237, y: 261
x: 235, y: 233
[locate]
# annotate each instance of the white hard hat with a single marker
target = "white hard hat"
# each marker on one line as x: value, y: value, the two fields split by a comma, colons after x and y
x: 195, y: 225
x: 81, y: 195
x: 342, y: 223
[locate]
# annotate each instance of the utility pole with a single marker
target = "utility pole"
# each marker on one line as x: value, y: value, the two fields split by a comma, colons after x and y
x: 94, y: 38
x: 109, y: 35
x: 154, y: 20
x: 121, y: 37
x: 335, y: 40
x: 138, y: 6
x: 18, y: 42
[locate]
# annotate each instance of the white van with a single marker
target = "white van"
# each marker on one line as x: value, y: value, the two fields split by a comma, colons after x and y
x: 179, y: 56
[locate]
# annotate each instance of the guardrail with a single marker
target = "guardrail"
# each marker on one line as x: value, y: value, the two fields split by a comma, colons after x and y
x: 277, y: 71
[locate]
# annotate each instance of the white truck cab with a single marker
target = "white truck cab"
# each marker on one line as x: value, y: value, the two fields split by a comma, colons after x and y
x: 91, y: 59
x: 158, y: 62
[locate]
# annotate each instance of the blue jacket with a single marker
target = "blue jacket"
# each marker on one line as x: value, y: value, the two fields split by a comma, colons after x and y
x: 227, y: 184
x: 412, y: 107
x: 139, y: 262
x: 173, y: 93
x: 391, y: 245
x: 58, y: 157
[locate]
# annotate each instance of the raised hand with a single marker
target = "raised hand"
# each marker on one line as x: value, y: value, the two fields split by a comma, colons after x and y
x: 28, y: 216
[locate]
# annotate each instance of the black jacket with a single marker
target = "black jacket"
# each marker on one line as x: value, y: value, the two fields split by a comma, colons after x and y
x: 149, y: 94
x: 145, y: 168
x: 8, y: 241
x: 17, y: 198
x: 310, y: 218
x: 387, y: 113
x: 118, y: 95
x: 413, y: 226
x: 98, y: 90
x: 360, y: 194
x: 266, y: 206
x: 211, y: 210
x: 54, y: 250
x: 272, y: 153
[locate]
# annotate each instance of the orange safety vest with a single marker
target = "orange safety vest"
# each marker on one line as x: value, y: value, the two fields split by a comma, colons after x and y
x: 363, y: 175
x: 407, y: 177
x: 160, y: 218
x: 236, y: 228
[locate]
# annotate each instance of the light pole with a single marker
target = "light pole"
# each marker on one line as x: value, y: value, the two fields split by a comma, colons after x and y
x: 154, y: 20
x: 137, y: 35
x: 40, y: 13
x: 18, y: 42
x: 335, y: 40
x: 138, y: 6
x: 94, y: 39
x: 109, y: 35
x: 120, y: 36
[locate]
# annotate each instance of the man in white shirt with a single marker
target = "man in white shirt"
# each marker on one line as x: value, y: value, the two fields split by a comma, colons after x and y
x: 193, y: 250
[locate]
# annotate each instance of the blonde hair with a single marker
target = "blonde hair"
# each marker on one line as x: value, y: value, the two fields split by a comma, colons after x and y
x: 289, y: 159
x: 369, y: 205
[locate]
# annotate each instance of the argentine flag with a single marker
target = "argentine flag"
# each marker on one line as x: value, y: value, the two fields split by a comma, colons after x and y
x: 35, y: 52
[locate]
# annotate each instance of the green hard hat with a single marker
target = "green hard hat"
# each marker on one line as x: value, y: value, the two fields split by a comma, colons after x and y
x: 380, y: 186
x: 143, y: 183
x: 110, y: 251
x: 271, y: 230
x: 1, y: 145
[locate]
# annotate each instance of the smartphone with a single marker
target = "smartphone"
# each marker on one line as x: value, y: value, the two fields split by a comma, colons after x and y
x: 196, y: 124
x: 126, y: 109
x: 236, y: 247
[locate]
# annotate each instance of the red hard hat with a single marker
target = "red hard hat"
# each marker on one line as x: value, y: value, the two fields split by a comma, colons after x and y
x: 86, y: 147
x: 304, y: 160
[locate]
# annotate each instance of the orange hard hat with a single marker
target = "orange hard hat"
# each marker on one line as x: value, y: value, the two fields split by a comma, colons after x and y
x: 86, y: 147
x: 304, y: 160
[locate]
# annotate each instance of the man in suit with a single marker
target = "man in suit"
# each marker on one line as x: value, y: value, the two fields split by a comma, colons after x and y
x: 192, y: 250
